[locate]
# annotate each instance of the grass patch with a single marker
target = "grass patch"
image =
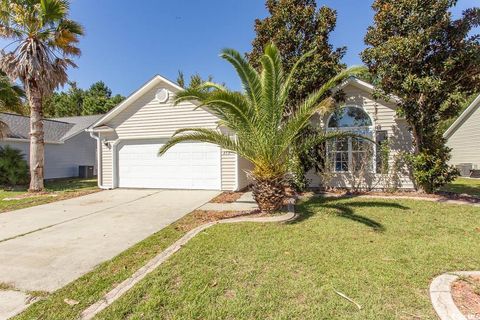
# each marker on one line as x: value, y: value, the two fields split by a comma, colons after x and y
x: 55, y: 191
x: 380, y: 253
x: 464, y: 186
x: 93, y: 285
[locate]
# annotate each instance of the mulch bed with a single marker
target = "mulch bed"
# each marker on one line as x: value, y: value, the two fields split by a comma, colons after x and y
x: 439, y: 195
x: 227, y: 197
x: 466, y: 294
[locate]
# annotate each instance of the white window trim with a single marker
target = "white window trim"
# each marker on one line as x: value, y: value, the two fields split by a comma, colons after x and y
x: 353, y: 129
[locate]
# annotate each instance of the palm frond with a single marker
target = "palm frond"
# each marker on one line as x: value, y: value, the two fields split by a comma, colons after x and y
x: 247, y: 74
x: 201, y: 135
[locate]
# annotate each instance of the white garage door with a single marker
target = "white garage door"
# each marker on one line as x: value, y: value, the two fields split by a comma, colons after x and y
x: 185, y: 166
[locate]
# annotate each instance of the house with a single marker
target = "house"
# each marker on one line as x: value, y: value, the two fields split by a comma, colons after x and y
x: 130, y: 136
x: 67, y: 144
x: 463, y: 137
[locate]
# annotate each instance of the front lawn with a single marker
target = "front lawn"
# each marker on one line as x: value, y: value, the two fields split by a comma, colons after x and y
x: 461, y: 185
x: 55, y: 191
x: 380, y: 253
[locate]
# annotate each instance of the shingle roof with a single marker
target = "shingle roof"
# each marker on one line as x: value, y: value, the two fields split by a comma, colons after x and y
x: 56, y: 130
x: 80, y: 124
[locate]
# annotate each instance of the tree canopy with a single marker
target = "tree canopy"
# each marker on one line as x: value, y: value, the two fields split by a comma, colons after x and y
x: 97, y: 99
x: 297, y: 27
x: 418, y: 52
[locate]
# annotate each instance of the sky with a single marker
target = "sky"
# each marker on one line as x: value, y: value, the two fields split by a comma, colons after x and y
x: 128, y: 42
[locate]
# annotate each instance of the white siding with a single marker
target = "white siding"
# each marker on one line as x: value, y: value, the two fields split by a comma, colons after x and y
x: 229, y: 177
x: 244, y: 166
x: 63, y: 160
x: 107, y: 167
x: 384, y: 118
x: 146, y: 118
x: 465, y: 141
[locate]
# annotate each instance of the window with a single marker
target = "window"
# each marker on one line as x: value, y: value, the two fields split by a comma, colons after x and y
x: 351, y: 154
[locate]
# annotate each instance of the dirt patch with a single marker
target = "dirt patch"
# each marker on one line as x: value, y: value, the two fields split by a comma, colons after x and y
x: 30, y: 196
x: 199, y: 217
x: 227, y: 197
x: 440, y: 196
x: 466, y: 294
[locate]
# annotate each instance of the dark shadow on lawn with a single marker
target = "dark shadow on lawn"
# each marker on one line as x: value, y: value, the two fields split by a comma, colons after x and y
x: 346, y: 210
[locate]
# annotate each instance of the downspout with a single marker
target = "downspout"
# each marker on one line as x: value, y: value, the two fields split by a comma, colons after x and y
x: 99, y: 160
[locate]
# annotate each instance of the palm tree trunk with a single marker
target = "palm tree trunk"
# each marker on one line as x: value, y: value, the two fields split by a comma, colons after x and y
x: 269, y: 193
x: 37, y: 143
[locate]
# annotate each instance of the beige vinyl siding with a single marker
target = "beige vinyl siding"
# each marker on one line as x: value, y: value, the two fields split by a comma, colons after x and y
x: 107, y: 167
x: 229, y: 176
x: 146, y: 118
x: 383, y: 115
x: 243, y: 167
x: 465, y: 141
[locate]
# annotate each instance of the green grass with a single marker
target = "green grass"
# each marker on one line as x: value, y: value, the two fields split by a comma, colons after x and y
x: 63, y: 189
x: 381, y: 253
x: 464, y: 186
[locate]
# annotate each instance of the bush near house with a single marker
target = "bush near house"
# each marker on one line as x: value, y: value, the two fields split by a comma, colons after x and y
x: 13, y: 167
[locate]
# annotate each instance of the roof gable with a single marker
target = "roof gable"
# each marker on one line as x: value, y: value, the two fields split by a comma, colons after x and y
x: 363, y: 85
x: 463, y: 117
x: 155, y: 81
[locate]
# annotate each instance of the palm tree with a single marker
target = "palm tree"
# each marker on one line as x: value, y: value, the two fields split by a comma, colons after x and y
x: 43, y: 40
x: 262, y: 135
x: 10, y: 100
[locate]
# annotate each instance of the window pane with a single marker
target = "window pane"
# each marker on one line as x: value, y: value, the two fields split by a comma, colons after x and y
x: 349, y: 117
x: 342, y: 144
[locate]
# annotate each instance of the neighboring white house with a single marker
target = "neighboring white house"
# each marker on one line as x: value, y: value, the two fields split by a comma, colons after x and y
x: 67, y: 144
x: 130, y: 136
x: 463, y: 137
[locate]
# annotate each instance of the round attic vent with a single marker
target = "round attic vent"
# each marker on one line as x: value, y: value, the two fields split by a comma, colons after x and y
x: 162, y: 95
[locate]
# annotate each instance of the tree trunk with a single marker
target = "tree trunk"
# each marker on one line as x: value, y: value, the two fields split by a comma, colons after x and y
x: 269, y: 193
x: 37, y: 143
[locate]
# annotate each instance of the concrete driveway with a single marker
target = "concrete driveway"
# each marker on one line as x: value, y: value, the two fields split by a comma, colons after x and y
x: 45, y: 247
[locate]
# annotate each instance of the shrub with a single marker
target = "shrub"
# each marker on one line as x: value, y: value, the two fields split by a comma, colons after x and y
x: 430, y: 169
x: 13, y: 168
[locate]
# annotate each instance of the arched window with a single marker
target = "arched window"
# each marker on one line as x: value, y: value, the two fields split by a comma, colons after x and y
x: 351, y: 154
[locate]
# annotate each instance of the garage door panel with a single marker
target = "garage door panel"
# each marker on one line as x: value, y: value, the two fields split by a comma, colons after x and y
x: 184, y: 166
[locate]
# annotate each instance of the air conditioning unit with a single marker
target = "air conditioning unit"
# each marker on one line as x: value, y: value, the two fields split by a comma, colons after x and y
x: 464, y: 169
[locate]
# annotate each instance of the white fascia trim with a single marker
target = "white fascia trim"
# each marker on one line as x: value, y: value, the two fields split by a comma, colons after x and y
x: 464, y: 116
x: 134, y: 96
x: 362, y: 85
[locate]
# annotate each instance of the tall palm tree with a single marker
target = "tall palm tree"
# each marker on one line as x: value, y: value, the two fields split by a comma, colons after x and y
x: 10, y: 100
x: 43, y: 40
x: 262, y: 134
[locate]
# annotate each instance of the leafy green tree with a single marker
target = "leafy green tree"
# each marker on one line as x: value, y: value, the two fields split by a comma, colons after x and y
x: 195, y: 80
x: 43, y: 40
x: 256, y: 116
x: 65, y: 104
x: 417, y: 52
x: 297, y: 27
x: 98, y: 99
x: 75, y: 101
